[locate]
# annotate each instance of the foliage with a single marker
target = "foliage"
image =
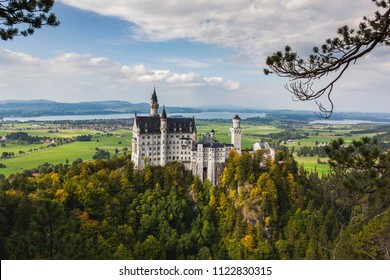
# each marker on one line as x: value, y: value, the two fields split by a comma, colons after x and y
x: 84, y: 138
x: 311, y: 151
x: 29, y: 14
x: 23, y: 137
x: 105, y: 209
x: 363, y: 171
x: 333, y: 57
x: 101, y: 154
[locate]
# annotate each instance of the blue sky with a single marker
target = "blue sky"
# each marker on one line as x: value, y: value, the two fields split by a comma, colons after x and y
x: 196, y: 53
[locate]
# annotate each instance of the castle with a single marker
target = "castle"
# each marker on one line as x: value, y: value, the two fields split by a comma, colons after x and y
x: 158, y: 140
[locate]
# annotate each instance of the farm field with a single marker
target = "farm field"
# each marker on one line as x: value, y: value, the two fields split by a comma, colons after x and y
x: 63, y: 153
x: 311, y: 165
x: 28, y: 156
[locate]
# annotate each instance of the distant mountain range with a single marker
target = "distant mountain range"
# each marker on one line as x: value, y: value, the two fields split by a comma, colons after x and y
x: 41, y: 107
x: 33, y: 108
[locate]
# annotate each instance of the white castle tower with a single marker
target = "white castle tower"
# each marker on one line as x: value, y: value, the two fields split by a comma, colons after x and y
x: 236, y: 132
x: 164, y: 137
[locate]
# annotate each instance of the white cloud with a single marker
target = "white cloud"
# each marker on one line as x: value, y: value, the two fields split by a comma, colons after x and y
x: 185, y: 62
x: 214, y: 80
x: 232, y: 85
x: 258, y: 27
x: 85, y: 77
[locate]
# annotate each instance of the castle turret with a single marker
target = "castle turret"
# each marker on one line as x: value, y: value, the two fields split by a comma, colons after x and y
x: 236, y: 132
x: 164, y: 137
x: 154, y: 104
x: 135, y: 146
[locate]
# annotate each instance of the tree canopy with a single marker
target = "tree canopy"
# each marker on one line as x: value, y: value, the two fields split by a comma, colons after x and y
x: 333, y: 57
x: 22, y: 17
x: 105, y: 209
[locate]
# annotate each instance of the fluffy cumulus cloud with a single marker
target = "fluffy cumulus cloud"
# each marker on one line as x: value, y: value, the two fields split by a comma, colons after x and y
x: 86, y: 77
x: 257, y: 26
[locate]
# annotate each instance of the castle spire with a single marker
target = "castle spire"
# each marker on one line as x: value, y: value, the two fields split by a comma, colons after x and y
x: 154, y: 95
x: 154, y: 104
x: 164, y: 113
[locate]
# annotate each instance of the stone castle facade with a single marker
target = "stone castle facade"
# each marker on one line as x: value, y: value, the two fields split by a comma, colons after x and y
x: 158, y: 140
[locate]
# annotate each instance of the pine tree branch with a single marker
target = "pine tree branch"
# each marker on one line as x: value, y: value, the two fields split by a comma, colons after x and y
x: 335, y: 57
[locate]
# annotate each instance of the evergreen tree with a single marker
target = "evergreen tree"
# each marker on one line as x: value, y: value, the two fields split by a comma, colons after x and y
x: 29, y: 15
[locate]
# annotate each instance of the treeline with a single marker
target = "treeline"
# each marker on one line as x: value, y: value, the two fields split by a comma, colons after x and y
x: 107, y: 210
x: 289, y: 133
x: 84, y: 138
x: 23, y: 137
x: 306, y: 151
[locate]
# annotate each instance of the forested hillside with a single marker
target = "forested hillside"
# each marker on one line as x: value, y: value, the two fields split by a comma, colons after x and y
x: 104, y: 209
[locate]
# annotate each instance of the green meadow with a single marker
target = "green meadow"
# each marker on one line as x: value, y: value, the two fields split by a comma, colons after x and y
x: 33, y: 155
x: 62, y: 153
x: 311, y: 165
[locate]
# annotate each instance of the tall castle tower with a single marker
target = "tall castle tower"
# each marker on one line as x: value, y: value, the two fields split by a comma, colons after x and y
x: 236, y: 132
x: 154, y: 104
x: 164, y: 137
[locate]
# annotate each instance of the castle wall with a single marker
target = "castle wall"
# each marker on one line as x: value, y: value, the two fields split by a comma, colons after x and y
x: 149, y: 146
